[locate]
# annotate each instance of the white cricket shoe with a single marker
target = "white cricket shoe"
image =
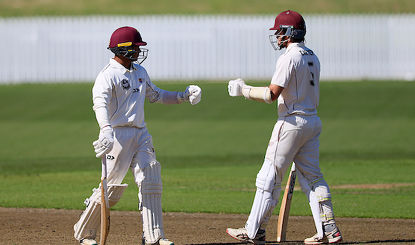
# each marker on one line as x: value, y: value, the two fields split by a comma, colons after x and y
x: 241, y: 234
x: 333, y: 236
x: 316, y: 240
x: 88, y: 242
x: 162, y: 241
x: 165, y: 241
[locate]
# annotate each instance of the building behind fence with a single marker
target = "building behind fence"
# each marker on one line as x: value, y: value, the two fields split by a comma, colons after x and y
x: 59, y: 49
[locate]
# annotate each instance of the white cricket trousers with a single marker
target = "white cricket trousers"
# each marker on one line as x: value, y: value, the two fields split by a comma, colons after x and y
x: 295, y: 138
x: 133, y: 149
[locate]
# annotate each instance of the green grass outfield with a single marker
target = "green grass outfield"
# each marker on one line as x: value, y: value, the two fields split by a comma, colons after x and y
x: 128, y: 7
x: 211, y: 152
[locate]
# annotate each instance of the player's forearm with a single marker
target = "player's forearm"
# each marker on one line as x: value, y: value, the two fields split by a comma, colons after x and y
x: 192, y: 94
x: 101, y: 114
x: 261, y: 94
x: 169, y: 97
x: 275, y: 91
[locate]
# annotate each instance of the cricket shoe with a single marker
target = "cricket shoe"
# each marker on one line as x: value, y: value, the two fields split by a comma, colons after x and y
x: 165, y: 241
x: 162, y: 241
x: 333, y: 236
x: 241, y: 234
x: 316, y: 240
x: 88, y: 242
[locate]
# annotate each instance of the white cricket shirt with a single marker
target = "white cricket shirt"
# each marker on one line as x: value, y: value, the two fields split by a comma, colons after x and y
x: 298, y: 71
x: 118, y: 95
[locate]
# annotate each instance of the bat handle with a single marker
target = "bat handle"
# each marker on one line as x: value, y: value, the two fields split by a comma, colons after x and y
x: 104, y: 167
x: 105, y: 218
x: 293, y: 167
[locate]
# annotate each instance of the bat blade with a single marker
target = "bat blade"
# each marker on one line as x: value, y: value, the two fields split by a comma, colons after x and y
x: 105, y: 207
x: 285, y: 206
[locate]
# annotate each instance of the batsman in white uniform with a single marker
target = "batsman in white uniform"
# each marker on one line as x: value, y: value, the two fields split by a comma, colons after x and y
x: 119, y: 93
x: 295, y: 138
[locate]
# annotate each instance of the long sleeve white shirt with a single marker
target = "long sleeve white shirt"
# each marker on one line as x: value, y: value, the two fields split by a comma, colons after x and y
x: 119, y: 95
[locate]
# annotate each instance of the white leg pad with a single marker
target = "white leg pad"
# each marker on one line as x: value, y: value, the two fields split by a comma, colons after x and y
x: 266, y: 198
x: 90, y: 219
x: 115, y: 192
x: 150, y: 203
x: 323, y: 196
x: 312, y: 200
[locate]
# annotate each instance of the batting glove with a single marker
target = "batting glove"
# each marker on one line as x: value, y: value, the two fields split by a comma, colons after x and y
x: 235, y: 87
x: 193, y: 94
x: 105, y: 141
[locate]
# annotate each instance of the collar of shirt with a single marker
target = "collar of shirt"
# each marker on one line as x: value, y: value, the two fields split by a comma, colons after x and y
x: 117, y: 65
x: 291, y: 45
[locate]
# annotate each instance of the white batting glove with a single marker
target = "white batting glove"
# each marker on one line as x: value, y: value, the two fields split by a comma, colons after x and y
x: 193, y: 94
x: 235, y: 87
x: 105, y: 141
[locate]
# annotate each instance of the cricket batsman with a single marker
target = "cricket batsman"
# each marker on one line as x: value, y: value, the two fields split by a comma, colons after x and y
x: 295, y: 138
x: 119, y: 93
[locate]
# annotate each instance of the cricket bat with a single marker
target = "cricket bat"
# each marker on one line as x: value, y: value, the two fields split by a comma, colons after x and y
x: 285, y: 206
x: 105, y: 206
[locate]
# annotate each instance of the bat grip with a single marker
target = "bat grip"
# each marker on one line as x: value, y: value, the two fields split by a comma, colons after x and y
x: 293, y: 167
x: 104, y: 167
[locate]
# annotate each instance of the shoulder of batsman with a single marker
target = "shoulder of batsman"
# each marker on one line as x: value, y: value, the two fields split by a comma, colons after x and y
x: 138, y: 67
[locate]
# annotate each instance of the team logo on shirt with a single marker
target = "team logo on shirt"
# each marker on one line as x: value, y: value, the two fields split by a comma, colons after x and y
x: 125, y: 84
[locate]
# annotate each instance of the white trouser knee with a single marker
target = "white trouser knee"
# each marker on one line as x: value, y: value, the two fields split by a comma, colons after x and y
x: 266, y: 198
x: 150, y: 203
x: 90, y: 219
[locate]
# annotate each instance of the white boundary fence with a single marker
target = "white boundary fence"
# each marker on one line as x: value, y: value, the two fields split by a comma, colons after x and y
x: 59, y: 49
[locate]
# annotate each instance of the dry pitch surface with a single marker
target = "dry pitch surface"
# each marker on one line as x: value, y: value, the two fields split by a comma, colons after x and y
x: 50, y: 226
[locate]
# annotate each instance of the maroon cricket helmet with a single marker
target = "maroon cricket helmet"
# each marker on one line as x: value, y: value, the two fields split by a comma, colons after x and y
x: 126, y: 36
x: 289, y: 18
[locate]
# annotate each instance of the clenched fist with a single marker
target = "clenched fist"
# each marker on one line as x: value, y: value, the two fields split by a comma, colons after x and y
x: 235, y: 87
x: 193, y: 94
